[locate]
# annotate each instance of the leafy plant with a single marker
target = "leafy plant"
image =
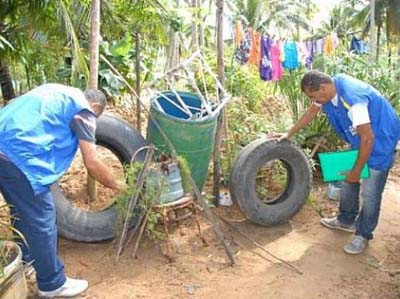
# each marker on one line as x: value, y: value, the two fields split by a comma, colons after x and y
x: 7, y: 233
x: 380, y: 75
x: 148, y: 196
x: 298, y: 103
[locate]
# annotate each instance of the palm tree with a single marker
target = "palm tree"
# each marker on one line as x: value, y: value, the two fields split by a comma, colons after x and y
x: 387, y: 14
x: 30, y: 24
x: 288, y: 16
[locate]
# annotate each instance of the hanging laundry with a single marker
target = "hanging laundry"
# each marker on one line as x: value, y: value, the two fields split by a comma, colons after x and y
x: 302, y: 52
x: 239, y: 33
x: 335, y: 40
x: 310, y: 54
x: 255, y: 54
x: 328, y: 45
x: 242, y: 52
x: 265, y: 64
x: 358, y: 46
x: 319, y: 46
x: 276, y: 62
x: 282, y: 51
x: 291, y: 61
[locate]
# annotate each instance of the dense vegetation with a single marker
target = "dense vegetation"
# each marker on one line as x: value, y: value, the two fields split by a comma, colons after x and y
x: 42, y: 41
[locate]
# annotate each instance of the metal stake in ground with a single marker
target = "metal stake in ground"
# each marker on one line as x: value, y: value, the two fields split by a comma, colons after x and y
x: 134, y: 198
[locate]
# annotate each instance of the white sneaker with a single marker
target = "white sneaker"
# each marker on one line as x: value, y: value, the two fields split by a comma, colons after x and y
x: 71, y: 288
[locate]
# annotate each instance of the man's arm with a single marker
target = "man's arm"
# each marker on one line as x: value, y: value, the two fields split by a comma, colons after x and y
x: 303, y: 121
x: 97, y: 169
x: 366, y: 144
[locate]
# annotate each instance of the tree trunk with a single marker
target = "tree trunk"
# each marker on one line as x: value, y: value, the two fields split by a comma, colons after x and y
x: 378, y: 37
x: 398, y: 62
x: 94, y: 71
x: 94, y: 44
x: 388, y: 42
x: 173, y: 47
x: 137, y: 69
x: 7, y: 88
x: 220, y: 67
x: 201, y: 25
x: 195, y: 38
x: 372, y: 33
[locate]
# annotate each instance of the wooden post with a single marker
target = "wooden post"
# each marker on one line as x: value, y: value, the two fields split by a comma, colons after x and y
x: 137, y: 70
x: 221, y: 78
x: 372, y: 33
x: 94, y: 71
x: 195, y: 35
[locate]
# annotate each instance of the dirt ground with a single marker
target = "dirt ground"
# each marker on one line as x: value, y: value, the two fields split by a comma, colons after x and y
x: 201, y: 271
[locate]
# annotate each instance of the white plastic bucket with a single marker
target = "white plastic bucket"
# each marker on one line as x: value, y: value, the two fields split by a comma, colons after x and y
x: 14, y: 288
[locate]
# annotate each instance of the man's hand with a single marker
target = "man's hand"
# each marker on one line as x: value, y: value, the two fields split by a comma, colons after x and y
x: 97, y: 169
x: 352, y: 177
x: 279, y: 136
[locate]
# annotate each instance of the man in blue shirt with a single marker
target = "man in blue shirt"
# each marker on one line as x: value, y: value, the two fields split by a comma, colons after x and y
x: 40, y: 133
x: 362, y: 117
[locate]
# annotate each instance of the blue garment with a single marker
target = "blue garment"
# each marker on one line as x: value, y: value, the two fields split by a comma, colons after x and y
x: 36, y: 220
x: 265, y: 64
x: 385, y: 123
x: 35, y: 132
x: 358, y: 46
x: 368, y: 216
x: 291, y: 56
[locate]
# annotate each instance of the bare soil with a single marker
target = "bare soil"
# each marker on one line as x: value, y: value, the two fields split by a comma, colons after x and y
x: 203, y: 271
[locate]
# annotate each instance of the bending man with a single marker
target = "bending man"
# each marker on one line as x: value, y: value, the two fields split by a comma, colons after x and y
x: 362, y: 117
x: 40, y: 132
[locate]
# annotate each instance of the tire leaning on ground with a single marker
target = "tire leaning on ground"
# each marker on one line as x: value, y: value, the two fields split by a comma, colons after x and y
x: 73, y: 223
x: 242, y: 182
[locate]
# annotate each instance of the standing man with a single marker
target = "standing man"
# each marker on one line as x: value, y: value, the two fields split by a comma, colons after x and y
x: 40, y: 132
x: 362, y: 117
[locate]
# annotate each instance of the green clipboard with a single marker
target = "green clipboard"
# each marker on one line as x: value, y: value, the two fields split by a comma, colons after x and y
x: 335, y: 164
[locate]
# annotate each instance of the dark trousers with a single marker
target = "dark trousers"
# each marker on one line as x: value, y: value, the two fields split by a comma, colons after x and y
x: 35, y: 218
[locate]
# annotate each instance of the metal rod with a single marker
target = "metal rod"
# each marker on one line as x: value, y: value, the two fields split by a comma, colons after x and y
x: 171, y: 102
x: 175, y: 68
x: 133, y: 200
x: 178, y: 97
x: 196, y: 88
x: 200, y: 198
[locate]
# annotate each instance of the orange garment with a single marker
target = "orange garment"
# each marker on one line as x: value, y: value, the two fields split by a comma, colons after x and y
x: 255, y: 53
x: 239, y: 33
x: 328, y: 45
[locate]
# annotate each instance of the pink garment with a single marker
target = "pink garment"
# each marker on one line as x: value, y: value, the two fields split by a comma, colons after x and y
x: 276, y: 62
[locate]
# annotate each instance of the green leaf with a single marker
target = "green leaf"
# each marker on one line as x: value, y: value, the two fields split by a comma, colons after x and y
x: 122, y: 47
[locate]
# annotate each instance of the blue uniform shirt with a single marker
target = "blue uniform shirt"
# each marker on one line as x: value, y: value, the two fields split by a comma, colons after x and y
x: 385, y: 123
x: 35, y: 132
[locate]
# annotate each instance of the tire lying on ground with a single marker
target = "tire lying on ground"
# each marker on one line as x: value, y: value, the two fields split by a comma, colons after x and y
x: 74, y: 223
x: 242, y: 182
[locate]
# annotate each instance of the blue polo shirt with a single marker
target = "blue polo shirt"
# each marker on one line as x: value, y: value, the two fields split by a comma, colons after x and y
x: 36, y: 134
x: 385, y: 123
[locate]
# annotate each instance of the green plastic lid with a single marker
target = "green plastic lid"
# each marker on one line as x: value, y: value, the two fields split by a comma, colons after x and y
x: 334, y: 165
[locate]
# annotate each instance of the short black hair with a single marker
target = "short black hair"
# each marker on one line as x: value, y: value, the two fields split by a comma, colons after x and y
x: 313, y: 80
x: 96, y: 96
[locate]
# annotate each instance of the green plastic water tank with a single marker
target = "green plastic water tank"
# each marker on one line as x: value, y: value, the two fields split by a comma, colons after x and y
x: 192, y: 139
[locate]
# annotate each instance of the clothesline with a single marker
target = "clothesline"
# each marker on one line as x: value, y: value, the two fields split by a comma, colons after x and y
x: 273, y: 56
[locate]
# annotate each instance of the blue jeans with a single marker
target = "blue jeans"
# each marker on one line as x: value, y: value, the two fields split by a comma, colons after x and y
x: 35, y: 218
x: 365, y: 219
